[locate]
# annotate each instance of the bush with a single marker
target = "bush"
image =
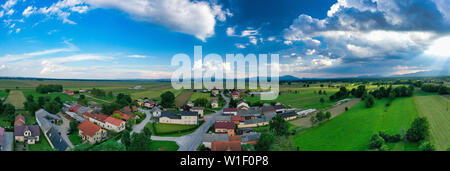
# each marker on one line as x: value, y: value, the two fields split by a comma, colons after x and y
x: 390, y: 138
x: 370, y: 101
x: 427, y: 146
x: 376, y: 141
x: 384, y: 147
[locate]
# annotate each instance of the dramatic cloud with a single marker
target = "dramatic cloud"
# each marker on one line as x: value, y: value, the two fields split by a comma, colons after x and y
x: 370, y: 31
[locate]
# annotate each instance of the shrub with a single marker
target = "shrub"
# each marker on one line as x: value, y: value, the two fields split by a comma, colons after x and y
x: 376, y: 141
x: 427, y: 146
x: 419, y: 130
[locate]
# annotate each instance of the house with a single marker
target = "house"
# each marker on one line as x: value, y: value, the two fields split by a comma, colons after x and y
x: 214, y: 103
x: 250, y: 138
x: 125, y: 116
x: 156, y: 112
x: 209, y: 138
x: 75, y: 116
x: 19, y: 120
x: 230, y: 111
x: 305, y: 113
x: 215, y: 91
x: 279, y: 108
x: 98, y: 119
x: 27, y: 133
x: 224, y: 128
x: 184, y: 118
x: 115, y: 124
x: 190, y: 103
x: 47, y: 123
x: 140, y: 102
x: 257, y: 121
x: 79, y: 109
x: 91, y: 132
x: 128, y: 110
x: 226, y: 118
x: 199, y: 110
x: 235, y: 95
x: 267, y: 109
x: 149, y: 103
x: 69, y: 92
x: 226, y: 146
x: 289, y: 116
x: 242, y: 105
x: 237, y: 119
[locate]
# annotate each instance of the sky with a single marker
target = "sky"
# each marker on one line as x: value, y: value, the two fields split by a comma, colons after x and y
x: 136, y: 39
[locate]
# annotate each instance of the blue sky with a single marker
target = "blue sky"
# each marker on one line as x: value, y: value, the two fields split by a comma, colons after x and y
x: 116, y: 39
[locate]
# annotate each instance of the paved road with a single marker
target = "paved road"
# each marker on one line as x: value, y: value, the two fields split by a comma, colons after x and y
x: 191, y: 141
x: 139, y: 127
x: 63, y: 128
x: 9, y: 138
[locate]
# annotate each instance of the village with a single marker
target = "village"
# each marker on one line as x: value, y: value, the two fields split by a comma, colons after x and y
x: 227, y: 128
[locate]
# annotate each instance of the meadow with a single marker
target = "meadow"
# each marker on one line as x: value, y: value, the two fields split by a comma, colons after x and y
x: 164, y: 146
x: 198, y: 95
x: 434, y: 107
x: 352, y: 130
x: 182, y: 98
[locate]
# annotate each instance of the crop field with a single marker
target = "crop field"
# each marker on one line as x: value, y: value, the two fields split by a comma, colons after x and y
x: 182, y: 98
x: 16, y: 98
x: 351, y: 130
x: 435, y: 109
x: 198, y: 95
x: 36, y: 95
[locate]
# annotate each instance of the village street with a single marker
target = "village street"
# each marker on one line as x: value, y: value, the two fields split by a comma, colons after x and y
x: 191, y: 141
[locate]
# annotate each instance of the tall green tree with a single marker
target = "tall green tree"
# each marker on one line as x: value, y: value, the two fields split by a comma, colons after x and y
x: 419, y: 130
x: 139, y: 142
x: 279, y: 126
x: 265, y: 142
x: 167, y: 99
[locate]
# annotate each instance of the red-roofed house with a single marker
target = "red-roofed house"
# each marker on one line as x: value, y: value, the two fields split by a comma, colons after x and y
x: 224, y: 128
x: 91, y: 132
x: 226, y: 146
x: 235, y: 95
x: 69, y: 92
x: 19, y: 120
x: 237, y: 119
x: 114, y: 124
x: 98, y: 119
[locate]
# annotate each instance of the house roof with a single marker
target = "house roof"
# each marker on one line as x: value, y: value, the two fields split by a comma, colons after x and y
x: 278, y: 107
x: 230, y: 110
x: 19, y: 130
x: 170, y: 115
x: 214, y: 137
x: 288, y: 114
x: 267, y: 109
x: 197, y: 108
x: 75, y: 108
x: 56, y: 140
x: 224, y: 125
x: 89, y: 128
x: 226, y: 146
x: 113, y: 121
x: 237, y: 118
x: 235, y: 138
x: 223, y: 118
x: 250, y: 112
x: 19, y: 121
x: 99, y: 117
x: 188, y: 113
x: 2, y: 131
x: 242, y: 102
x: 127, y: 109
x: 252, y: 136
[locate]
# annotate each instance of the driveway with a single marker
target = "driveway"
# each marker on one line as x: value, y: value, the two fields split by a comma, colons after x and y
x: 191, y: 141
x: 63, y: 128
x: 139, y: 127
x: 8, y: 141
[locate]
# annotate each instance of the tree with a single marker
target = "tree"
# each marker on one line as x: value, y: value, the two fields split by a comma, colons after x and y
x: 376, y: 141
x: 279, y: 126
x: 167, y: 99
x: 370, y: 101
x: 73, y: 125
x: 52, y: 107
x: 419, y: 130
x: 125, y: 139
x: 265, y: 142
x: 147, y: 131
x: 9, y: 109
x: 328, y: 115
x: 201, y: 102
x: 41, y: 101
x: 110, y: 145
x: 139, y: 142
x: 110, y: 94
x: 427, y: 146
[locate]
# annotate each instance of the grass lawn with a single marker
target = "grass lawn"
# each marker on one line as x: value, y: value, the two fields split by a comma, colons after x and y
x: 42, y: 145
x: 435, y: 109
x: 164, y: 146
x: 74, y: 138
x: 3, y: 93
x: 164, y: 129
x: 16, y: 98
x: 352, y: 130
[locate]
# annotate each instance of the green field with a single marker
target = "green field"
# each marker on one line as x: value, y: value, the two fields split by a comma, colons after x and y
x: 3, y: 94
x: 435, y: 109
x: 164, y: 146
x: 42, y: 145
x: 165, y: 129
x: 75, y: 138
x: 352, y: 130
x: 304, y: 99
x: 36, y: 95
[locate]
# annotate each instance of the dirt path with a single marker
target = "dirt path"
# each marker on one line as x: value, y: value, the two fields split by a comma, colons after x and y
x: 335, y: 111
